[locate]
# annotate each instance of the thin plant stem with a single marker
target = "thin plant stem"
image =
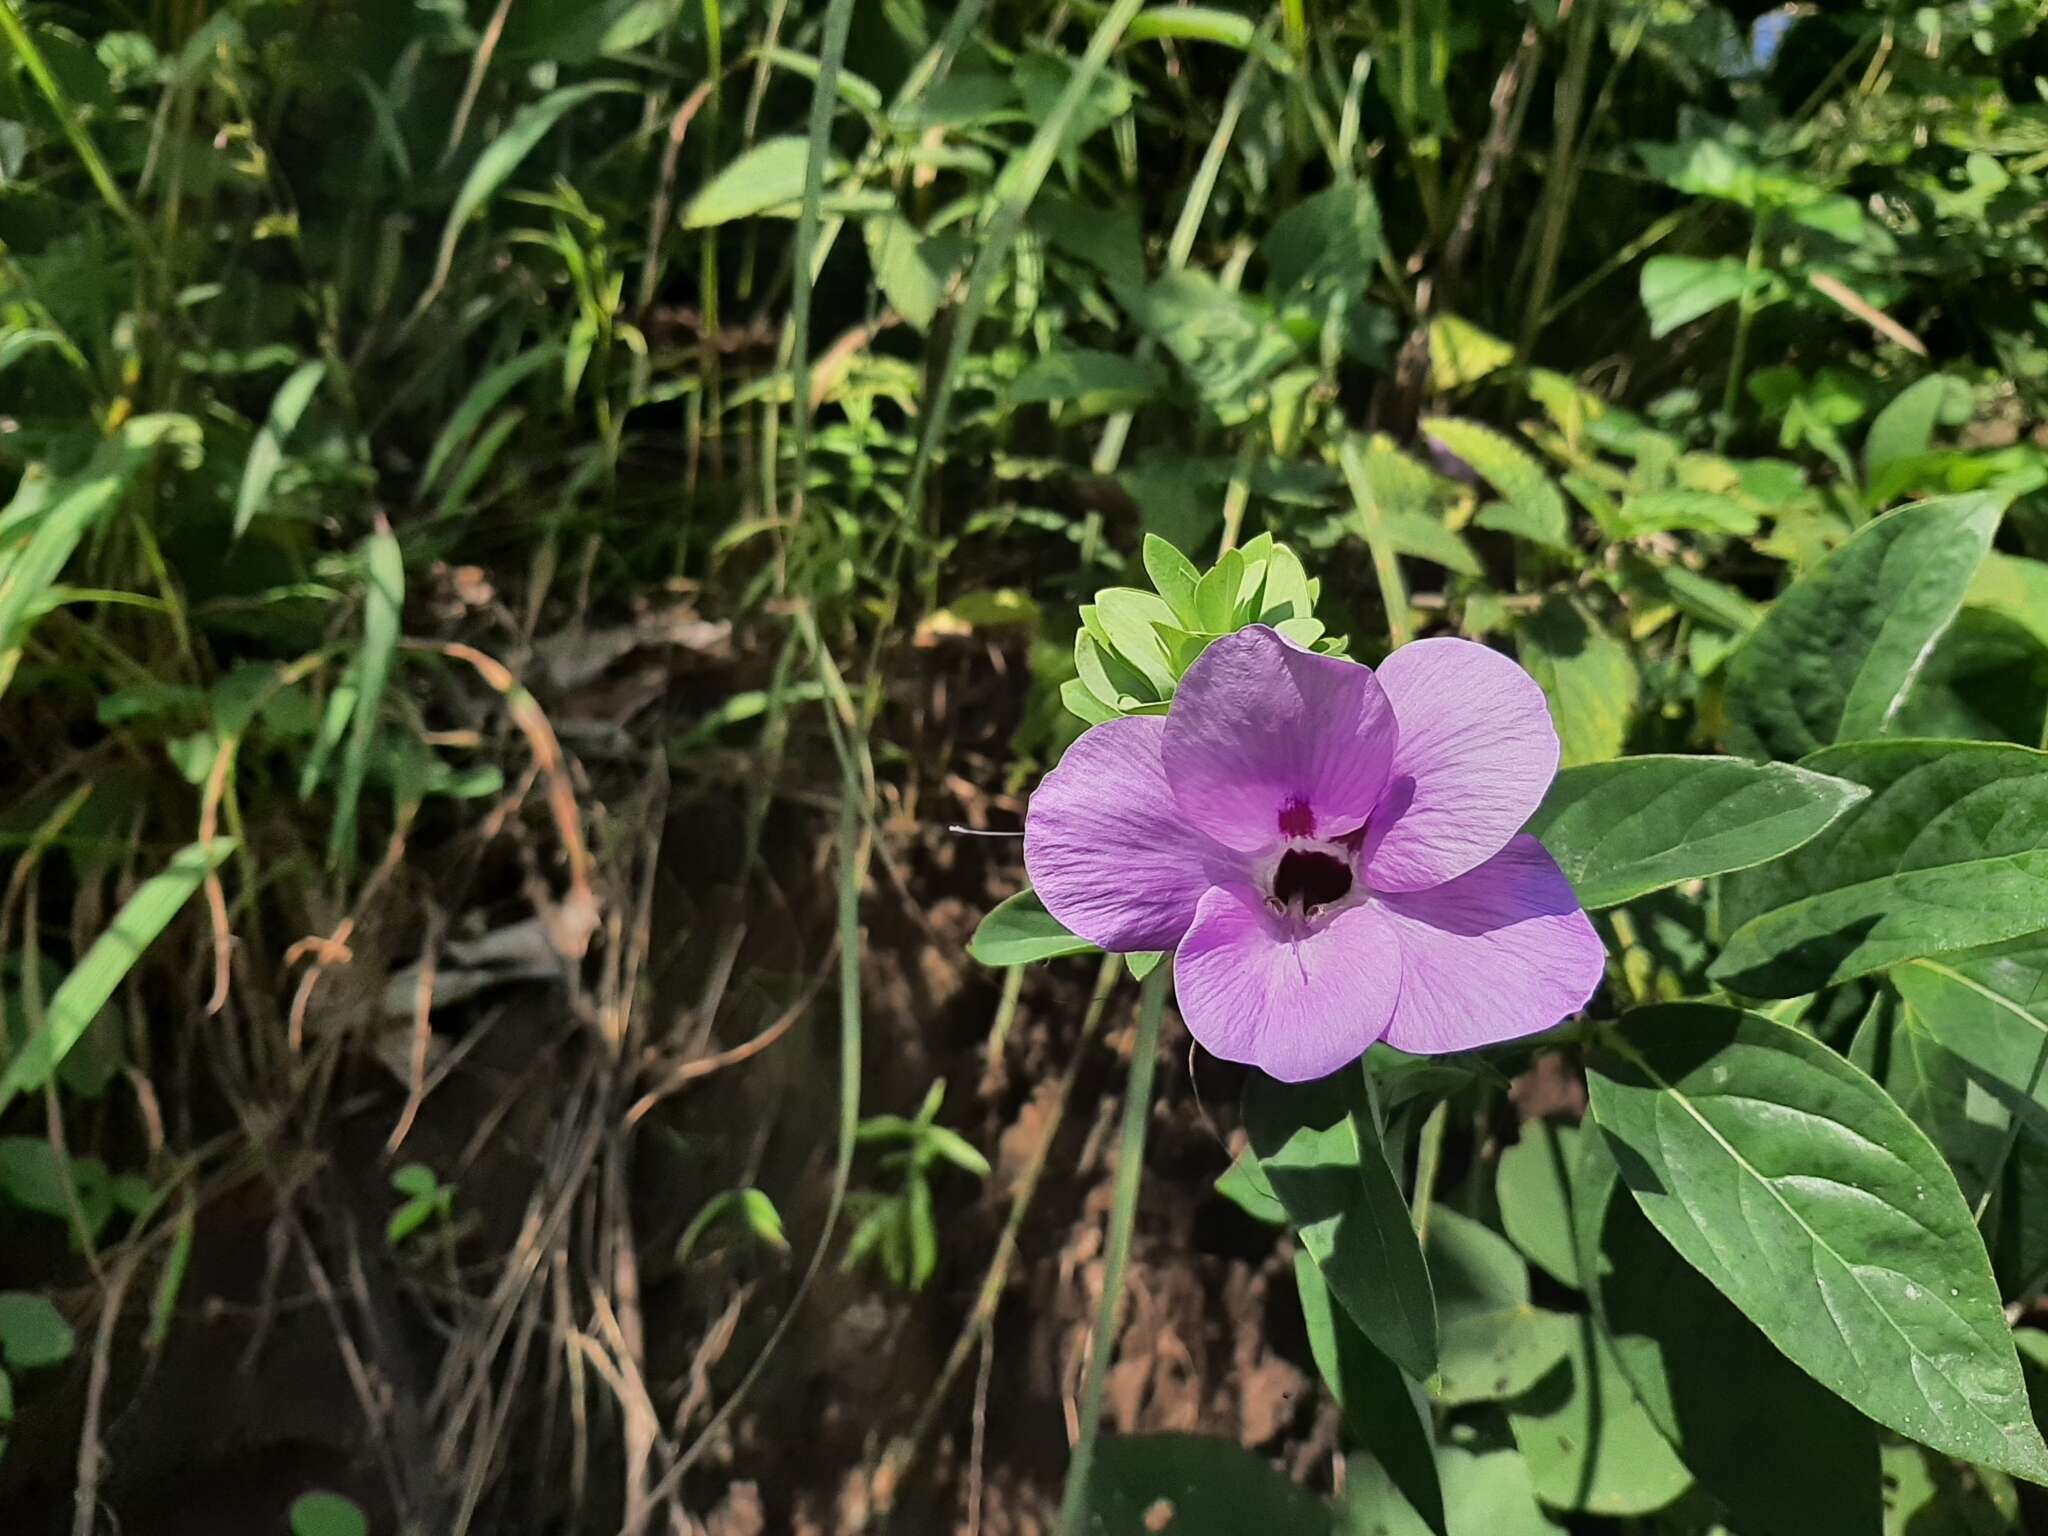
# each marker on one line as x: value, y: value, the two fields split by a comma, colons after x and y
x: 1745, y: 313
x: 1386, y: 566
x: 1130, y: 1168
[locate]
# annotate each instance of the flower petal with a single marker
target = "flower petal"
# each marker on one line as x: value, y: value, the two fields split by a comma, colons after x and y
x: 1105, y: 847
x: 1477, y: 752
x: 1262, y: 731
x: 1500, y: 952
x: 1294, y: 1008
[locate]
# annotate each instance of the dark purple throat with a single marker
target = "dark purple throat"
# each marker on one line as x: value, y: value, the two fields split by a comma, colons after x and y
x: 1310, y: 878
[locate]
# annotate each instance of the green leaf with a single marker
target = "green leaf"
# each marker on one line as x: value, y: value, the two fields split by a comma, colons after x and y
x: 1681, y: 511
x: 1460, y: 353
x: 1227, y: 344
x: 1948, y: 853
x: 327, y: 1514
x: 1905, y: 427
x: 1019, y: 931
x: 79, y: 998
x: 1986, y: 679
x: 1095, y: 383
x: 1534, y: 509
x: 2015, y: 588
x: 1381, y: 1405
x: 1990, y: 1011
x: 1588, y: 678
x: 1677, y: 290
x: 49, y: 517
x: 503, y: 155
x: 33, y: 1332
x: 910, y: 279
x: 383, y: 606
x: 1700, y: 1368
x: 1496, y: 1344
x: 1330, y: 1171
x: 1327, y: 242
x: 1589, y: 1444
x: 1208, y: 1487
x: 1174, y: 577
x: 1837, y: 651
x: 770, y: 175
x: 266, y: 453
x: 1486, y: 1493
x: 1244, y: 1185
x: 1811, y: 1201
x: 482, y: 399
x: 1620, y: 830
x: 1534, y: 1190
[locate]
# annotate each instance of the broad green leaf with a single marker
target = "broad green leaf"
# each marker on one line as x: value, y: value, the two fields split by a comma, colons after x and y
x: 383, y: 607
x: 770, y: 175
x: 1929, y: 1495
x: 1991, y: 1012
x: 1019, y: 931
x: 1533, y: 1187
x: 1986, y: 679
x: 1227, y: 344
x: 1327, y: 242
x: 1811, y: 1201
x: 1935, y: 1087
x: 1677, y: 290
x: 2014, y: 587
x: 1623, y: 829
x: 1700, y: 1368
x: 1424, y: 536
x: 1948, y: 853
x: 1207, y: 1487
x: 1589, y: 1444
x: 327, y: 1514
x: 33, y: 1332
x: 1905, y: 427
x: 910, y: 279
x: 1384, y: 1408
x: 1322, y: 1158
x: 1837, y: 651
x: 266, y: 453
x: 1588, y: 678
x: 1244, y: 1185
x: 1533, y: 508
x: 79, y: 998
x: 1486, y: 1493
x: 1095, y: 383
x: 1684, y: 512
x: 1124, y: 620
x: 1460, y: 353
x: 1496, y: 1343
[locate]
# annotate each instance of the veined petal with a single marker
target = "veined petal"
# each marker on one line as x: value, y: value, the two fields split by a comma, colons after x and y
x: 1295, y: 1007
x: 1105, y: 846
x: 1477, y: 752
x: 1266, y: 740
x: 1500, y: 952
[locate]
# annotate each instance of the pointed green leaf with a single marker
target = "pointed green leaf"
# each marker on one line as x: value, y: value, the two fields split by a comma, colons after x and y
x: 1811, y: 1201
x: 1020, y: 930
x: 1836, y: 653
x: 1329, y: 1169
x: 1623, y: 829
x: 1948, y: 853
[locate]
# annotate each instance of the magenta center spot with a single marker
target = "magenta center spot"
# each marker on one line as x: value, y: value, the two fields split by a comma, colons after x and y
x: 1310, y: 878
x: 1296, y: 819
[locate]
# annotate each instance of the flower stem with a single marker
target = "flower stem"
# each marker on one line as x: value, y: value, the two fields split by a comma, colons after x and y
x: 1130, y: 1168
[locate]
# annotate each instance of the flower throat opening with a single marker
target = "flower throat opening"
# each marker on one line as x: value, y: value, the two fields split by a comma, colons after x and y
x: 1310, y: 878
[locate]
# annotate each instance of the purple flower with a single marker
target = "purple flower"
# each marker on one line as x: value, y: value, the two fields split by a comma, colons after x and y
x: 1332, y: 853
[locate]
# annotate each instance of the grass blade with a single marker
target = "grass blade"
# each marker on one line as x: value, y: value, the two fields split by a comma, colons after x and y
x: 81, y: 995
x: 383, y: 602
x: 266, y: 454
